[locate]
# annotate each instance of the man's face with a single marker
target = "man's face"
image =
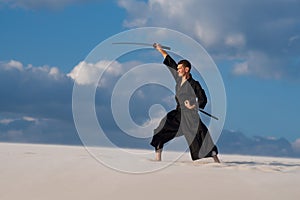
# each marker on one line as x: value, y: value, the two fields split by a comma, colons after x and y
x: 181, y: 70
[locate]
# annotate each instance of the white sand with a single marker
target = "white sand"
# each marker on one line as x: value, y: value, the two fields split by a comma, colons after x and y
x: 29, y: 172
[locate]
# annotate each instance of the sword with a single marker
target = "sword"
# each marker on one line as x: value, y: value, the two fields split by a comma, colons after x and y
x: 141, y: 44
x: 209, y: 114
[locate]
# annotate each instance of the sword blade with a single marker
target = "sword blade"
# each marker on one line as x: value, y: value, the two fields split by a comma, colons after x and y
x: 140, y: 43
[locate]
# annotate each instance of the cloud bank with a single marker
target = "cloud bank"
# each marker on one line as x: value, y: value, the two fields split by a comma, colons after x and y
x: 36, y: 102
x: 36, y: 107
x: 235, y: 142
x: 260, y: 38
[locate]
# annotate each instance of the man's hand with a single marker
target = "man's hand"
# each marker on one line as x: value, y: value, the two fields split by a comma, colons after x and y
x: 188, y: 105
x: 159, y: 48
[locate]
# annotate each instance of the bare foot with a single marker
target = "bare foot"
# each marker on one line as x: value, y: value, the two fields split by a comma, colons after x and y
x: 158, y: 155
x: 215, y: 157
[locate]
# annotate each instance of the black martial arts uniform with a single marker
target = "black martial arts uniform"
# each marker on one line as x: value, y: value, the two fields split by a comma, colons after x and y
x: 183, y: 121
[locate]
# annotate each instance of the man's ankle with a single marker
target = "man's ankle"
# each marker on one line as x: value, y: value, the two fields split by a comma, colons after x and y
x: 216, y: 159
x: 158, y: 154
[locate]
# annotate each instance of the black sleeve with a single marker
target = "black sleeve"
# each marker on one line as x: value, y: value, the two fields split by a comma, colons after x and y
x: 172, y: 65
x: 200, y: 93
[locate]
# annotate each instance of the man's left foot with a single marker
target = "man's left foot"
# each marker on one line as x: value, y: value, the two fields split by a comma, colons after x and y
x: 158, y: 154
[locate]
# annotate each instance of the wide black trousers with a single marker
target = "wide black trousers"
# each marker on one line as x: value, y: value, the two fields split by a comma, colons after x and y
x: 187, y: 123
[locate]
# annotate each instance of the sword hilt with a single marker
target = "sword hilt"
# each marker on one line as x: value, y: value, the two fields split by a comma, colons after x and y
x: 163, y: 47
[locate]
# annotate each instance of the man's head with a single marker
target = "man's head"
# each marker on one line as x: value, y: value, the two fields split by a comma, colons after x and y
x: 183, y: 68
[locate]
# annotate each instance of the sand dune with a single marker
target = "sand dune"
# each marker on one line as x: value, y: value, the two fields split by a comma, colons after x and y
x: 41, y: 172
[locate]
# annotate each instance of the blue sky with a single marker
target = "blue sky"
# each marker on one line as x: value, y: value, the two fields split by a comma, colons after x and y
x: 256, y: 46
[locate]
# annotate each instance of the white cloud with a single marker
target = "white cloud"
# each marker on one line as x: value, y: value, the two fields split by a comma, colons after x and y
x: 140, y: 94
x: 35, y: 104
x: 52, y: 72
x: 258, y: 64
x: 35, y: 4
x: 241, y: 69
x: 194, y: 17
x: 29, y: 119
x: 174, y: 9
x: 13, y: 64
x: 6, y: 121
x: 205, y: 33
x: 88, y: 73
x: 55, y: 73
x: 31, y: 91
x: 135, y: 9
x: 231, y: 30
x: 235, y: 40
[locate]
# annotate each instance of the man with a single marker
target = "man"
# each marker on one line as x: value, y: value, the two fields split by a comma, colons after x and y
x: 184, y: 120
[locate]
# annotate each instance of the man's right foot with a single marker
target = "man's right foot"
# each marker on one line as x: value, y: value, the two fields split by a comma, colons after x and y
x: 215, y: 157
